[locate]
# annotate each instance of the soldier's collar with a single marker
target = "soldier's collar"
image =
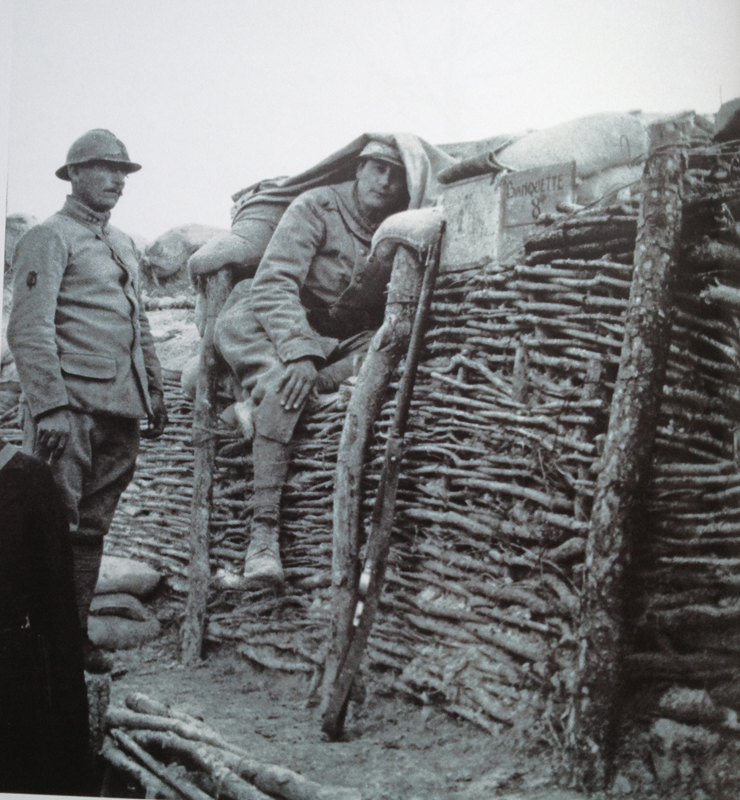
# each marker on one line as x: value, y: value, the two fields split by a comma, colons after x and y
x: 79, y: 210
x: 350, y: 211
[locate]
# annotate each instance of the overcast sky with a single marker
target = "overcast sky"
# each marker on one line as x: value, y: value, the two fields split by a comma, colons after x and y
x: 211, y: 95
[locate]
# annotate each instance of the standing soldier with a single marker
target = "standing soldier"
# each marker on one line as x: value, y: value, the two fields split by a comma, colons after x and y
x: 85, y: 354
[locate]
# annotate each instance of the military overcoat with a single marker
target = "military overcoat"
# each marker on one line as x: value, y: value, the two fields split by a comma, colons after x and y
x: 314, y: 288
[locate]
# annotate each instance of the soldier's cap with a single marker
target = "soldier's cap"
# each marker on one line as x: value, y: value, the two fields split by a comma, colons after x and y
x: 97, y: 145
x: 380, y: 151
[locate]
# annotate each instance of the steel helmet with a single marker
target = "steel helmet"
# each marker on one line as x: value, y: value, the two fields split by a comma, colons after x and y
x: 97, y: 145
x: 380, y: 151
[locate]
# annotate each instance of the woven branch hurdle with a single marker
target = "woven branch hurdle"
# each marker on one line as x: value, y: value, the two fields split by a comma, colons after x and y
x: 507, y: 424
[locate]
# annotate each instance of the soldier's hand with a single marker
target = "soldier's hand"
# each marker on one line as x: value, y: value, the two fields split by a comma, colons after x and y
x: 294, y: 387
x: 52, y: 433
x: 159, y: 419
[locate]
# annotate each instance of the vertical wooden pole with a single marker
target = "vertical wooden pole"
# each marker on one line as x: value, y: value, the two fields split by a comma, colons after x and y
x: 386, y: 350
x: 218, y: 287
x: 627, y: 451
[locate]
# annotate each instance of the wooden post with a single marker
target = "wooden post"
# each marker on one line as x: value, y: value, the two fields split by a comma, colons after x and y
x: 386, y: 349
x: 379, y: 540
x: 627, y: 450
x: 218, y: 287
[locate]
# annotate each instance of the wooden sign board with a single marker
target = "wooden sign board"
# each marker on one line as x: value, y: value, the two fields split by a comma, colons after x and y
x: 489, y: 217
x: 472, y: 210
x: 528, y: 195
x: 525, y: 198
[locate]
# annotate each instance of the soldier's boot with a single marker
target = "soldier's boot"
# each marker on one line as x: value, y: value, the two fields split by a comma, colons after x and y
x: 262, y: 567
x: 87, y: 557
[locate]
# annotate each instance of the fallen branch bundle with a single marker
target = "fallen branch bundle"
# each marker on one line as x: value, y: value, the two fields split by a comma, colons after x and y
x: 147, y: 780
x: 170, y: 753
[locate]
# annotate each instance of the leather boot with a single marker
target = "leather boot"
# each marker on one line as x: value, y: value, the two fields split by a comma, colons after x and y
x: 262, y: 565
x: 87, y: 555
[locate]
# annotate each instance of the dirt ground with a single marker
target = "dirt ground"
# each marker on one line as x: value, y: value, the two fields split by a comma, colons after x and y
x: 392, y: 749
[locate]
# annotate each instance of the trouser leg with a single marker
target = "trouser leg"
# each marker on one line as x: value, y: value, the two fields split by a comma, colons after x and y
x: 95, y: 467
x: 87, y: 556
x: 271, y: 460
x: 115, y: 445
x: 271, y: 419
x: 331, y: 376
x: 262, y: 565
x: 70, y: 469
x: 343, y: 362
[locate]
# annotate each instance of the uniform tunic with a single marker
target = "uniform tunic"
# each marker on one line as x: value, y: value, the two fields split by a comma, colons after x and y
x: 314, y: 288
x: 77, y: 329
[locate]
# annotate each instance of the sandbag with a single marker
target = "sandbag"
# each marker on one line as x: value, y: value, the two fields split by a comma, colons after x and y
x: 15, y: 226
x: 178, y: 351
x: 189, y: 377
x: 609, y: 182
x: 176, y: 338
x: 169, y: 253
x: 595, y: 143
x: 119, y: 604
x: 126, y: 575
x: 116, y: 633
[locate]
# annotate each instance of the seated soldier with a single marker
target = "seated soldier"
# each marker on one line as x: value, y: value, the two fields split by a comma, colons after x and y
x: 312, y: 307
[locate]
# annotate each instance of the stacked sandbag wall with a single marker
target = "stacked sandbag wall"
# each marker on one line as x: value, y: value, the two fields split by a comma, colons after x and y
x: 119, y: 618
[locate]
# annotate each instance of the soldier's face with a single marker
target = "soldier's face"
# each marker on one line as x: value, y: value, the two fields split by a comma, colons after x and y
x: 381, y: 187
x: 98, y: 185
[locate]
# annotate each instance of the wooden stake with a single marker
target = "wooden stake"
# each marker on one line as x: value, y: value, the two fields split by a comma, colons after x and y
x: 379, y: 541
x: 218, y: 287
x: 386, y: 349
x: 627, y: 450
